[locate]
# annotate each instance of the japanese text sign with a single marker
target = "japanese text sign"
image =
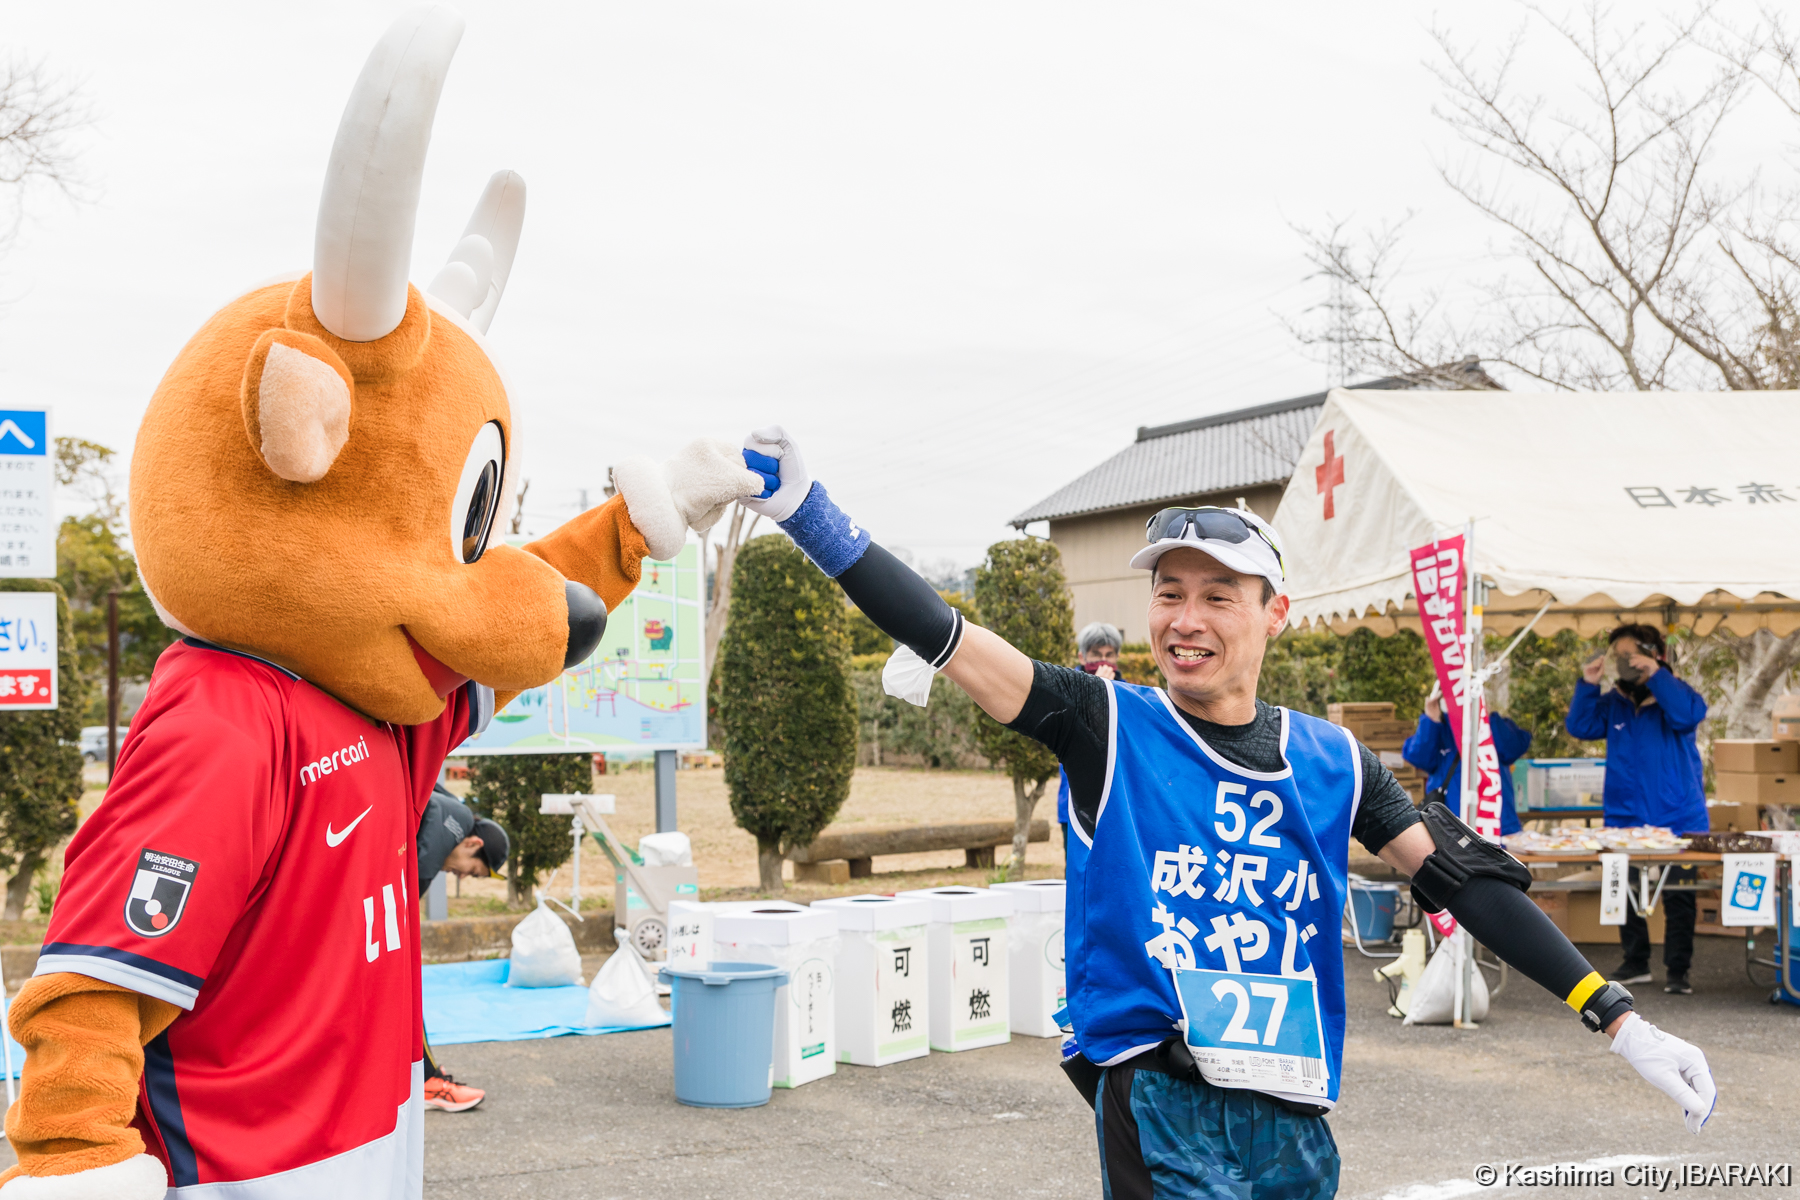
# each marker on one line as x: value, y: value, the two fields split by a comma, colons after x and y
x: 27, y: 481
x: 1439, y: 578
x: 27, y: 650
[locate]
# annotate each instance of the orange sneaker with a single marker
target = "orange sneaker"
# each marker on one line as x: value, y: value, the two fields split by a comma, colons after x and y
x: 445, y: 1093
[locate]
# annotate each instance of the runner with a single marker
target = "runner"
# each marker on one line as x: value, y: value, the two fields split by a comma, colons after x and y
x: 1211, y: 847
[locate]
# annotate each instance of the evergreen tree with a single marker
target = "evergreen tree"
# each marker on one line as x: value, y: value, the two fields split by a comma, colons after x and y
x: 508, y: 790
x: 1022, y: 595
x: 92, y: 560
x: 40, y: 764
x: 784, y: 700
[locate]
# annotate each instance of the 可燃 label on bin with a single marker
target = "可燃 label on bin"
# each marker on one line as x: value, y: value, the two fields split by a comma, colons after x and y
x: 1254, y: 1031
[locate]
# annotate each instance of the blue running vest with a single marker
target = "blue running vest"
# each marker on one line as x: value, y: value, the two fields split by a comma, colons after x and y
x: 1199, y: 866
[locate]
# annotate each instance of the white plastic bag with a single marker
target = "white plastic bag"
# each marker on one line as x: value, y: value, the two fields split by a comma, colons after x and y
x: 623, y: 993
x: 543, y: 952
x: 908, y: 677
x: 670, y: 849
x: 1434, y: 997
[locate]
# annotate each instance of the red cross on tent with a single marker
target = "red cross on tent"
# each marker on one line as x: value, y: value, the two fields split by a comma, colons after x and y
x: 1329, y: 474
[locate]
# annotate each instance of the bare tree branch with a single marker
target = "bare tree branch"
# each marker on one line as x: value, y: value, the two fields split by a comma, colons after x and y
x: 38, y: 114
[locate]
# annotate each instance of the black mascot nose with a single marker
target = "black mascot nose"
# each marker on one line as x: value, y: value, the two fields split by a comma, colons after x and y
x: 587, y: 621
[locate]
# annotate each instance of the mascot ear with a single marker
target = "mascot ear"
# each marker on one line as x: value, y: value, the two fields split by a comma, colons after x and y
x: 296, y: 397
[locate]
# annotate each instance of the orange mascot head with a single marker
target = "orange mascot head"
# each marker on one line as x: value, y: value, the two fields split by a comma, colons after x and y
x: 318, y: 476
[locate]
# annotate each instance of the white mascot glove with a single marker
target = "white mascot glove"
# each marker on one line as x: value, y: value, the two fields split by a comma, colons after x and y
x: 690, y: 491
x: 1671, y: 1065
x: 139, y: 1177
x: 773, y: 455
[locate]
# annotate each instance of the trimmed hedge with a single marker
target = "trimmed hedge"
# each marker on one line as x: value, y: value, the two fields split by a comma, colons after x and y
x: 785, y: 704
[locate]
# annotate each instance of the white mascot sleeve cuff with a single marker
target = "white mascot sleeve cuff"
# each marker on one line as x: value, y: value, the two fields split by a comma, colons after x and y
x: 908, y: 676
x: 139, y: 1177
x: 652, y: 506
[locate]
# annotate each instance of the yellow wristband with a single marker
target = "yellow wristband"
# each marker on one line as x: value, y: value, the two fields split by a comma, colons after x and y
x: 1585, y: 990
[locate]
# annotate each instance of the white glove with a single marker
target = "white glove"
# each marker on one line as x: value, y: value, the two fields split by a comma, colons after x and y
x: 139, y: 1177
x: 690, y: 491
x: 772, y: 441
x: 1671, y: 1065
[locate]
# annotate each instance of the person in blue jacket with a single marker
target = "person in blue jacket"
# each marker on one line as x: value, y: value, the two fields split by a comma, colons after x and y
x: 1653, y: 777
x: 1432, y: 749
x: 1098, y: 645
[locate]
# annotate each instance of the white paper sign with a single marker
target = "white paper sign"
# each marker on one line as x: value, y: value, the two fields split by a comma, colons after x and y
x: 690, y: 933
x: 27, y: 486
x: 1615, y: 881
x: 1794, y: 889
x: 1747, y: 893
x: 27, y: 650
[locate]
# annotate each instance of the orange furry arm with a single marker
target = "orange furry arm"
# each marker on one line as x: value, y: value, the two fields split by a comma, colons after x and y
x: 84, y: 1054
x: 600, y: 548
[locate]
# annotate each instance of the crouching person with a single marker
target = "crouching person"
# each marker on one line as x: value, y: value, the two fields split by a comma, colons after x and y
x: 454, y: 841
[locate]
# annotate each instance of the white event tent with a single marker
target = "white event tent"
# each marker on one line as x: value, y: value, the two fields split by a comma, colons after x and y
x: 1663, y: 507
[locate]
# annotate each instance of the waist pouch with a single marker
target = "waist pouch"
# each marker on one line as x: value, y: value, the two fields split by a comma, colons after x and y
x: 1461, y: 855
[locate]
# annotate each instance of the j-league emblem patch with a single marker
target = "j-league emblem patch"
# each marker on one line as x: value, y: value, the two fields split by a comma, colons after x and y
x: 159, y: 893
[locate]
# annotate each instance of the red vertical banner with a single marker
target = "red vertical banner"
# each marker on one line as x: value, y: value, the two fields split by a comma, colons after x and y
x: 1439, y: 578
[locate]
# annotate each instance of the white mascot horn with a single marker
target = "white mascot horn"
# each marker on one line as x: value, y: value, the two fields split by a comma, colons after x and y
x: 363, y: 246
x: 474, y: 278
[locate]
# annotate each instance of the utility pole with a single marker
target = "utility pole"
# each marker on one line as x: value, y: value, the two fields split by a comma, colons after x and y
x: 112, y: 683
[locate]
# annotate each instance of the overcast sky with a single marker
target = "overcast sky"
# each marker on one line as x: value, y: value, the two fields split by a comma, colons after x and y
x: 962, y: 250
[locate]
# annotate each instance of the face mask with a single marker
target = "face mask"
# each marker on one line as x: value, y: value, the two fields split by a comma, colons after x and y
x: 1627, y: 672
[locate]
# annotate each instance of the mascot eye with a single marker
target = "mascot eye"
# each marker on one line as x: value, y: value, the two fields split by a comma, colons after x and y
x: 478, y: 495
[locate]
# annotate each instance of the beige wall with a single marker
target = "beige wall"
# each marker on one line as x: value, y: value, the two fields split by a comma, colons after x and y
x: 1096, y: 548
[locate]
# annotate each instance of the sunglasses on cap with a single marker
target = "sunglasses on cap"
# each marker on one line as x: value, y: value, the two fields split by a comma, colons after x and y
x: 1209, y: 523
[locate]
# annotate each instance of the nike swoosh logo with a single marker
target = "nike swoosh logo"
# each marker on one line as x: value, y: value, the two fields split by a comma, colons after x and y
x: 332, y: 839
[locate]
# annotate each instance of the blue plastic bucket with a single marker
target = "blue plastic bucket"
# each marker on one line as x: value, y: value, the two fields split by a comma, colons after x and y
x: 724, y: 1025
x: 1372, y: 907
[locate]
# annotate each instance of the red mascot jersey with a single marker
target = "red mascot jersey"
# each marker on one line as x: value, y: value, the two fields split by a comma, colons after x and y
x: 253, y: 863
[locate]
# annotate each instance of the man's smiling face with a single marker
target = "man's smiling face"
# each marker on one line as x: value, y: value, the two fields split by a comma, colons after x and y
x: 1209, y: 626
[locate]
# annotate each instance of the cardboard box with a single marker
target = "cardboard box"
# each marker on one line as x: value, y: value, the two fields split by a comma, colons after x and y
x: 1338, y: 714
x: 1706, y: 918
x: 1743, y: 787
x: 1784, y: 716
x: 1733, y: 818
x: 1745, y: 756
x: 1577, y: 914
x: 1369, y: 732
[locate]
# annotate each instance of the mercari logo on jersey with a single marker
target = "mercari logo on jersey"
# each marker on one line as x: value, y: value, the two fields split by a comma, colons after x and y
x: 337, y: 760
x: 159, y: 893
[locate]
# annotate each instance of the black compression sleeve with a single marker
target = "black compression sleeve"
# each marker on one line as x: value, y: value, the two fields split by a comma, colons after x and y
x: 903, y: 605
x: 1505, y: 920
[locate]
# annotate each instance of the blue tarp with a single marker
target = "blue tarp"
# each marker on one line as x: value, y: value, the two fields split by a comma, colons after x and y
x: 18, y: 1051
x: 470, y: 1002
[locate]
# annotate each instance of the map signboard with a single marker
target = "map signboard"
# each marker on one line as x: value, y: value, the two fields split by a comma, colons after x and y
x: 641, y: 689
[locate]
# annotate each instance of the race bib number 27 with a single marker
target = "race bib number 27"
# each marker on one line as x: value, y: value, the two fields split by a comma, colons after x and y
x: 1254, y: 1031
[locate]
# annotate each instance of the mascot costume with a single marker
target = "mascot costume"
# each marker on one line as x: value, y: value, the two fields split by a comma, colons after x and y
x: 227, y: 1002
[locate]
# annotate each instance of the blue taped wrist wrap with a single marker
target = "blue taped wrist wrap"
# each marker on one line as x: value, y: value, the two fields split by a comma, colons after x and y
x: 824, y: 534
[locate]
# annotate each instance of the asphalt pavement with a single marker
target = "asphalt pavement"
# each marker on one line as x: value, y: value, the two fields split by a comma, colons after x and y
x: 1422, y: 1109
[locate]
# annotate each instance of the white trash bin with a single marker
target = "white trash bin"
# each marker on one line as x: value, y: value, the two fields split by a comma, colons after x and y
x: 691, y: 926
x: 803, y: 943
x: 1036, y: 947
x: 883, y: 978
x: 967, y: 937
